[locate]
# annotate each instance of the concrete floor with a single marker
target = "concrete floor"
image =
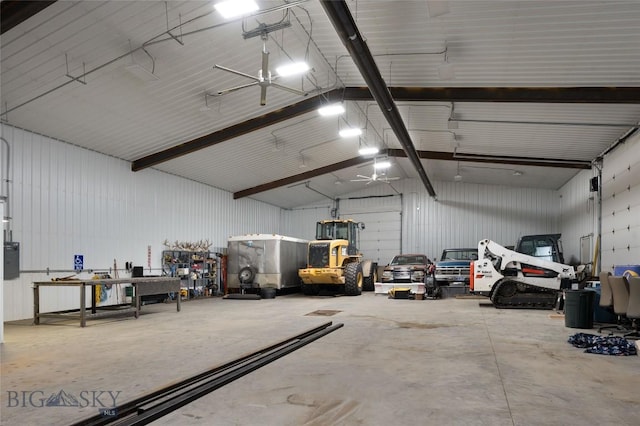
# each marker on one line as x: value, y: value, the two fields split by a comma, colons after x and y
x: 395, y: 362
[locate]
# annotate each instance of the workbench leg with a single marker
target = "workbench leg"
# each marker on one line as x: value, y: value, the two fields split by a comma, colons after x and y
x: 83, y: 306
x: 178, y: 303
x: 36, y: 305
x: 93, y: 299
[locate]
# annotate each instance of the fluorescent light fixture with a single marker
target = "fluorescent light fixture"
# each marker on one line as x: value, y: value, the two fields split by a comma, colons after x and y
x: 517, y: 173
x: 333, y: 109
x: 234, y: 8
x: 457, y: 178
x: 293, y: 68
x: 382, y: 165
x: 368, y: 150
x: 349, y: 132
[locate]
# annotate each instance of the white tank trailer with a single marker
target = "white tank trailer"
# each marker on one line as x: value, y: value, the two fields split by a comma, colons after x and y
x: 265, y: 260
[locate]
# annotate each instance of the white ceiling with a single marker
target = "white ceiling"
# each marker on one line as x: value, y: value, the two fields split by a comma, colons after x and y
x: 66, y: 74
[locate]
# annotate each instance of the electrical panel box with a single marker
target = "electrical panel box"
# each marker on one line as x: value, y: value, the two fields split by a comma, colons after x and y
x: 11, y: 260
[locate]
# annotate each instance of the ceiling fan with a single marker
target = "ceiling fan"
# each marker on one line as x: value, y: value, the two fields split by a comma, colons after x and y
x: 375, y: 177
x: 264, y: 79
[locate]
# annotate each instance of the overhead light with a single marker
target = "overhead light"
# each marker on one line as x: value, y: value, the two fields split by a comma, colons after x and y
x: 349, y: 132
x: 517, y: 173
x: 329, y: 110
x: 368, y: 150
x: 233, y: 8
x: 6, y: 219
x: 293, y: 68
x: 338, y: 182
x: 303, y: 163
x: 382, y: 165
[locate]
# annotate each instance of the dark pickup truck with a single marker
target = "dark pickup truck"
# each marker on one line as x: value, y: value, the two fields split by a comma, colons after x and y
x: 407, y: 268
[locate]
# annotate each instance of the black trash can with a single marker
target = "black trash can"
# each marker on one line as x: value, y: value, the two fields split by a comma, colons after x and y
x: 578, y: 308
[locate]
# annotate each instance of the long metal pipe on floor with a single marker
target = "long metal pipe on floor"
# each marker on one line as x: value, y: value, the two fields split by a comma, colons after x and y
x: 155, y: 405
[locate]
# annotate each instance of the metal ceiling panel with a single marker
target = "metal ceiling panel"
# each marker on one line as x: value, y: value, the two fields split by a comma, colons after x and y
x: 507, y: 43
x: 487, y: 43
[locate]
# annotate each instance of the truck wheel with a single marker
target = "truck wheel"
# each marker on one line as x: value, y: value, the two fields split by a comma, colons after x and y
x: 353, y: 279
x: 369, y: 282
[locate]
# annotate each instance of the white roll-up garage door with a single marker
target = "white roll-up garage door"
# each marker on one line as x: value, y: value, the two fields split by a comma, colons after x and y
x: 621, y: 206
x: 382, y: 236
x: 380, y: 240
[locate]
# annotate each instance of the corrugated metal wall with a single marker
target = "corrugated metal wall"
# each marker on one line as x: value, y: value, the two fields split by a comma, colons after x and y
x: 578, y: 216
x: 621, y: 205
x: 66, y: 200
x: 463, y: 214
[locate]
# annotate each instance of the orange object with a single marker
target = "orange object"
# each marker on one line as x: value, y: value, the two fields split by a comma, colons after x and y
x: 532, y: 271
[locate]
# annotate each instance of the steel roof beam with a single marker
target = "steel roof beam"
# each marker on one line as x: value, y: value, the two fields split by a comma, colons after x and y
x: 495, y: 159
x: 234, y: 131
x: 593, y: 95
x: 301, y: 177
x: 425, y: 94
x: 425, y: 155
x: 344, y: 24
x: 15, y: 12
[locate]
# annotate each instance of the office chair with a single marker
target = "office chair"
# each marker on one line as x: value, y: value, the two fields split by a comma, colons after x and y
x: 620, y: 291
x: 633, y: 309
x: 606, y: 297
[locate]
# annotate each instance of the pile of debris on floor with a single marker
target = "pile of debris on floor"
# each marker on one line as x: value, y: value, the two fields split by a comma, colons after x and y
x: 604, y: 345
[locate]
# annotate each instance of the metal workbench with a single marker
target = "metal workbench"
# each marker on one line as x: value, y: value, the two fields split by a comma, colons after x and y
x: 143, y: 286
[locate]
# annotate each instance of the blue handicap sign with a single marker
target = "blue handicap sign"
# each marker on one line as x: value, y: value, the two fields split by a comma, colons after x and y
x: 78, y: 262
